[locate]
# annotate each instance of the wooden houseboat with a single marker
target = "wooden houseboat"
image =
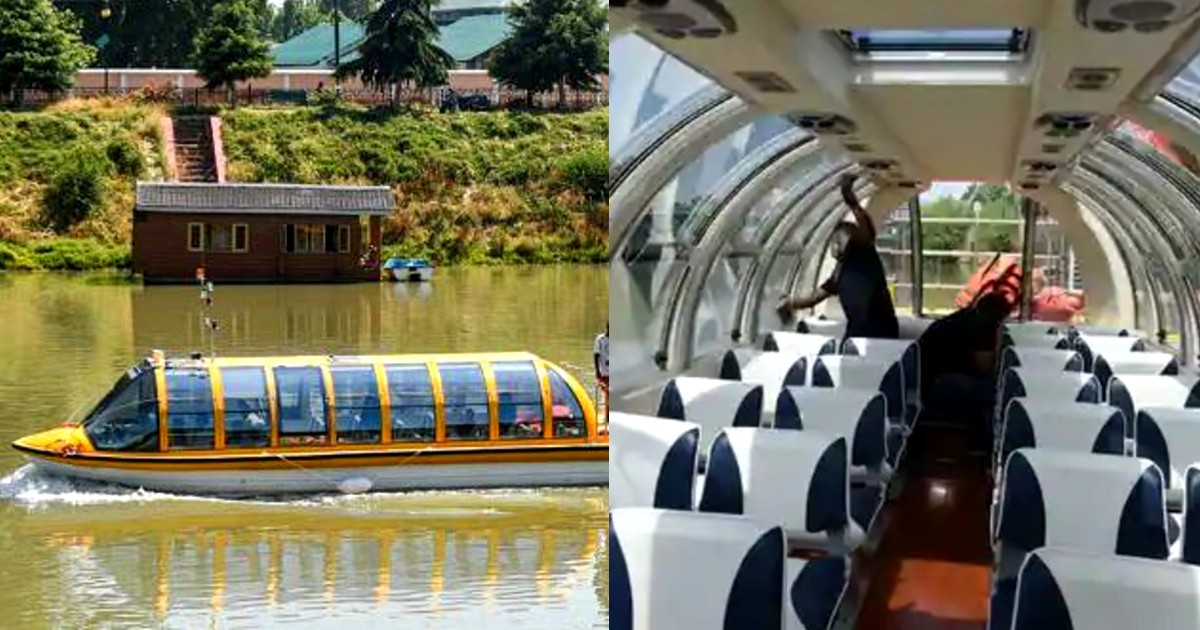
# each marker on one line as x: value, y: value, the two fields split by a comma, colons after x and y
x: 254, y: 426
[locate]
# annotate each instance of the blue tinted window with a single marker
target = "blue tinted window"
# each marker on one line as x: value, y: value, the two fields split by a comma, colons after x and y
x: 568, y: 413
x: 301, y: 394
x: 189, y: 409
x: 413, y: 407
x: 939, y: 40
x: 520, y: 394
x: 127, y: 419
x: 247, y: 407
x: 356, y: 404
x: 465, y: 393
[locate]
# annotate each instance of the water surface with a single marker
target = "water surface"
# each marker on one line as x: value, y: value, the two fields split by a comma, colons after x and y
x: 89, y: 556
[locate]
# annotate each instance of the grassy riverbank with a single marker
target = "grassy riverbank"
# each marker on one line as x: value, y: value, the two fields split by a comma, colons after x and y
x: 472, y: 188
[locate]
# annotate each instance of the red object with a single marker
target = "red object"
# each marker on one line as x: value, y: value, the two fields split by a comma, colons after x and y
x: 1002, y: 275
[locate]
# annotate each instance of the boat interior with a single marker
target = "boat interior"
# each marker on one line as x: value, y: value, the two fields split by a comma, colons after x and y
x: 781, y: 475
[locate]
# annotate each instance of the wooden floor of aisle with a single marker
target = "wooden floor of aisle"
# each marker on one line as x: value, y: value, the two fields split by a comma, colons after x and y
x: 933, y: 566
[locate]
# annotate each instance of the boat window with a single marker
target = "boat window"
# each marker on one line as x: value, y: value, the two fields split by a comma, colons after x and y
x: 189, y: 409
x: 411, y: 391
x: 301, y: 395
x: 568, y: 413
x: 247, y: 407
x: 520, y: 393
x: 127, y: 419
x: 465, y: 393
x: 356, y: 405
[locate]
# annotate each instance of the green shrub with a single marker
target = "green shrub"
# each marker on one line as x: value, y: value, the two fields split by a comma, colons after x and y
x: 126, y: 158
x: 586, y: 173
x: 75, y: 190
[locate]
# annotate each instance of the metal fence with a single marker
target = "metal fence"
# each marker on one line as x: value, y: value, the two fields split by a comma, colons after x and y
x: 444, y: 97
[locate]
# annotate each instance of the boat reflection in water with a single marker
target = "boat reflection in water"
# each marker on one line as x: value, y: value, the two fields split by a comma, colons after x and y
x: 528, y: 559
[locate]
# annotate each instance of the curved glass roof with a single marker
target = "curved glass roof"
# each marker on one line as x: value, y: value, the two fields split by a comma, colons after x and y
x: 717, y: 238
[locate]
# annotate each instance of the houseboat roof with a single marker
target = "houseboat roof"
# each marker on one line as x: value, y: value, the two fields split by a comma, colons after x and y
x: 264, y: 198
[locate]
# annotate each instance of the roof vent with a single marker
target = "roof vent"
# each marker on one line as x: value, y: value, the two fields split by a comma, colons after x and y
x: 856, y: 147
x: 1036, y: 166
x: 825, y: 124
x: 908, y: 183
x: 1141, y: 16
x: 1092, y: 79
x: 880, y: 166
x: 680, y: 19
x: 768, y: 82
x: 1052, y: 148
x: 1030, y: 185
x: 1060, y: 125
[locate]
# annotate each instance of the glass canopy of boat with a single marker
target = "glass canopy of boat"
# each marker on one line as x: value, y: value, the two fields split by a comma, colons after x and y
x: 230, y: 404
x: 719, y: 207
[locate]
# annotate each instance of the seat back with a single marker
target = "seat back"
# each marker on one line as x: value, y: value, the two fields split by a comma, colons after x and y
x: 1191, y: 515
x: 1090, y: 346
x: 775, y: 369
x: 1169, y: 437
x: 711, y: 403
x: 1072, y: 590
x: 884, y: 375
x: 1096, y: 503
x: 797, y: 478
x: 859, y: 415
x: 1067, y: 426
x: 800, y: 343
x: 822, y: 326
x: 1034, y: 328
x: 1030, y: 339
x: 906, y: 351
x: 1130, y: 392
x: 652, y: 461
x: 1105, y: 365
x: 672, y: 569
x: 815, y: 589
x: 1047, y: 359
x: 1046, y: 385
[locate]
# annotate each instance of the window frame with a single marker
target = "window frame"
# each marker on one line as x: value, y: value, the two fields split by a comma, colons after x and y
x: 341, y: 405
x: 553, y: 373
x: 171, y: 414
x: 245, y: 228
x: 278, y: 400
x: 144, y: 382
x: 509, y: 367
x: 433, y: 407
x: 225, y: 411
x: 468, y: 402
x: 196, y: 232
x: 343, y: 239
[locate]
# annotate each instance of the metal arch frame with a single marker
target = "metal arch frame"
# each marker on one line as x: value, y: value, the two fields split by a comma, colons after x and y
x: 685, y: 144
x: 729, y: 211
x: 1102, y: 180
x: 658, y: 129
x: 746, y: 310
x: 1097, y: 204
x: 1184, y: 185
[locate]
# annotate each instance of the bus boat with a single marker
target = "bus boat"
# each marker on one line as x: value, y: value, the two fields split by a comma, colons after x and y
x: 313, y: 424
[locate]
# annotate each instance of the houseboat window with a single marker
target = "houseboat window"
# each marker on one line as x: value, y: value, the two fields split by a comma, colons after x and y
x: 189, y: 409
x: 568, y: 413
x: 247, y: 407
x: 356, y: 405
x: 331, y: 237
x: 303, y: 238
x: 195, y: 237
x: 241, y: 238
x: 220, y: 238
x: 127, y: 418
x: 343, y: 239
x: 301, y: 395
x: 465, y: 393
x: 520, y: 393
x: 411, y: 391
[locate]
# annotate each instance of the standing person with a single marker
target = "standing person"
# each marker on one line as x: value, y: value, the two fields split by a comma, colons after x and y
x: 600, y: 359
x: 858, y: 279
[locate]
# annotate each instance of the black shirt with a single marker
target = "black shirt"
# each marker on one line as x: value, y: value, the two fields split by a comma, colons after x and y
x: 861, y: 286
x: 949, y: 345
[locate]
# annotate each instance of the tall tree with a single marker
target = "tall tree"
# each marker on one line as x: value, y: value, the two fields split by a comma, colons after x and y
x: 144, y: 33
x: 40, y: 47
x: 356, y: 10
x: 295, y: 17
x: 229, y: 49
x: 400, y: 47
x: 555, y: 43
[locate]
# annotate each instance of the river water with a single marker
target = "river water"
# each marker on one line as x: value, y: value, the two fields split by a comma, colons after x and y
x: 86, y: 556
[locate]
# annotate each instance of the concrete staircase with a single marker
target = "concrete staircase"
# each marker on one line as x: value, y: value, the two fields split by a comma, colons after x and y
x: 195, y: 160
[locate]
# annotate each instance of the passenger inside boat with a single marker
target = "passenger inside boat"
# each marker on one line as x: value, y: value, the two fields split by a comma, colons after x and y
x: 806, y: 474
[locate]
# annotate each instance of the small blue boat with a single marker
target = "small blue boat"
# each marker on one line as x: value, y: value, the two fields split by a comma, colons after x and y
x: 409, y: 269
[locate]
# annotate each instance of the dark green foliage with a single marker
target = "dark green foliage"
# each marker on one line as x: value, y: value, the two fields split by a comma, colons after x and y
x: 400, y: 48
x: 146, y: 33
x: 63, y: 255
x: 587, y: 173
x: 295, y: 17
x: 126, y: 158
x: 229, y: 49
x: 40, y: 47
x: 75, y: 190
x: 555, y: 44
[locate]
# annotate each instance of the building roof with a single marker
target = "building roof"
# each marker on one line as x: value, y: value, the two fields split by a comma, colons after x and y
x: 470, y: 5
x: 463, y: 39
x: 264, y: 199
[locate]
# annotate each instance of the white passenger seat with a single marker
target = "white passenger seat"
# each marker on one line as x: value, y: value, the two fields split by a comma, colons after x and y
x: 874, y: 374
x: 906, y: 351
x: 1131, y: 392
x: 1109, y: 364
x: 673, y: 570
x: 1169, y: 437
x: 1047, y: 359
x: 1091, y: 346
x: 797, y: 478
x: 800, y: 343
x: 1063, y: 425
x: 652, y: 462
x: 711, y: 403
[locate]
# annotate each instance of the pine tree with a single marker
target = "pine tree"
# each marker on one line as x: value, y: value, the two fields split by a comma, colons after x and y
x: 229, y: 49
x: 40, y: 48
x: 555, y: 43
x: 400, y: 47
x: 295, y: 17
